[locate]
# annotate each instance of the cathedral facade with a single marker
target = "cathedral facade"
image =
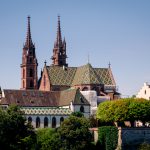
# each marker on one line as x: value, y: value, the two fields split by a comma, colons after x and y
x: 61, y: 89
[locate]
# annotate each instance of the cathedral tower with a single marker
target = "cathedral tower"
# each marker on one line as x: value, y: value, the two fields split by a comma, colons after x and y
x: 59, y: 50
x: 29, y: 63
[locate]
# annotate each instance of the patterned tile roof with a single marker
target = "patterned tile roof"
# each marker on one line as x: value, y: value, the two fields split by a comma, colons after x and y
x: 86, y: 75
x: 105, y: 76
x: 61, y: 76
x: 35, y: 98
x: 47, y: 111
x: 80, y: 75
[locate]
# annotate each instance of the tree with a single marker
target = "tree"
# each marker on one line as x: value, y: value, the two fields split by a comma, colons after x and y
x: 48, y: 138
x: 124, y: 110
x: 74, y: 133
x: 15, y: 133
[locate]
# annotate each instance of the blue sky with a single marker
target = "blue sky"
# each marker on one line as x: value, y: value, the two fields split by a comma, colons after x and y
x: 108, y: 30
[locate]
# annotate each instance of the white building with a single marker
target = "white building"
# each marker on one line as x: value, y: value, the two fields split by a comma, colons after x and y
x: 144, y: 92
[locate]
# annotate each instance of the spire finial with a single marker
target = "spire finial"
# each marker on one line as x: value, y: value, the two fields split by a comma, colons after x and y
x: 28, y: 42
x: 45, y: 62
x: 109, y: 65
x: 58, y: 38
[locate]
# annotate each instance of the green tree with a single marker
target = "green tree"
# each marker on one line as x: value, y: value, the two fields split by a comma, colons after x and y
x: 74, y: 133
x: 124, y: 110
x: 15, y: 133
x: 48, y: 138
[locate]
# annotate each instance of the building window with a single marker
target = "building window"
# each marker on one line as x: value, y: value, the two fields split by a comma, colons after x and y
x: 31, y: 83
x: 31, y: 73
x: 30, y: 120
x: 145, y: 92
x: 30, y: 60
x: 37, y: 122
x: 82, y: 109
x: 45, y: 122
x: 53, y: 122
x: 61, y: 120
x: 44, y: 82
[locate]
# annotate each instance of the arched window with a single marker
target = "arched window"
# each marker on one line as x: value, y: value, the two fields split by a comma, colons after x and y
x: 30, y: 120
x: 31, y: 73
x: 145, y: 92
x: 30, y: 60
x: 23, y: 73
x: 53, y: 122
x: 44, y: 82
x: 61, y: 120
x: 37, y: 122
x: 31, y: 83
x: 45, y: 122
x: 82, y: 109
x: 85, y: 89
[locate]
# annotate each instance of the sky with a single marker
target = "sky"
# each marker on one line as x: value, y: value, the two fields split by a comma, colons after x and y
x: 115, y: 31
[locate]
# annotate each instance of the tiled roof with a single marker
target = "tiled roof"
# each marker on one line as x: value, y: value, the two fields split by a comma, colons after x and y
x: 61, y: 76
x: 105, y: 75
x: 86, y: 75
x: 35, y: 98
x: 80, y: 75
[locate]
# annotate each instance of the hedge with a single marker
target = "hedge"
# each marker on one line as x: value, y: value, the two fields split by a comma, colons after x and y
x: 108, y: 137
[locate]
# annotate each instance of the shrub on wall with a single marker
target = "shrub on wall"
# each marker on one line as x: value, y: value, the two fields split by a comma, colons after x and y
x: 108, y: 137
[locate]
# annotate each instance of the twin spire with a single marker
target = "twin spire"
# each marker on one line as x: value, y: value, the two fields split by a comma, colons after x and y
x: 59, y: 52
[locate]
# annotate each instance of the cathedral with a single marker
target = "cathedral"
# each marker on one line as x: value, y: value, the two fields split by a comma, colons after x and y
x: 61, y: 89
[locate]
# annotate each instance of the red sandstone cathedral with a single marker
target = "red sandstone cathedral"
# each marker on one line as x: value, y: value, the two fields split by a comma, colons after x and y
x: 59, y: 75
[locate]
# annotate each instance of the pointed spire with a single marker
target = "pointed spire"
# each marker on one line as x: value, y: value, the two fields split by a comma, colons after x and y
x: 28, y: 42
x: 58, y: 38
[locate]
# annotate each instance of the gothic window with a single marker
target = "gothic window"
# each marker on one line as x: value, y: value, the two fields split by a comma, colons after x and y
x: 85, y: 89
x: 145, y: 92
x: 30, y: 120
x: 30, y: 60
x: 45, y: 122
x: 31, y: 73
x: 61, y: 119
x: 82, y: 109
x: 31, y: 83
x: 37, y: 122
x: 23, y: 73
x: 44, y: 82
x: 53, y: 122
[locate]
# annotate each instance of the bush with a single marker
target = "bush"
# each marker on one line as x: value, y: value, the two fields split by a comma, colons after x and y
x: 144, y: 146
x: 107, y: 137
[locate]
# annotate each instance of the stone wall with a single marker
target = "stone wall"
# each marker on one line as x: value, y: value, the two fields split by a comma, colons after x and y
x: 131, y: 138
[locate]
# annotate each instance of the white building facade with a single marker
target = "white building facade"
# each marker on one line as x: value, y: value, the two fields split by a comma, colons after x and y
x: 144, y: 92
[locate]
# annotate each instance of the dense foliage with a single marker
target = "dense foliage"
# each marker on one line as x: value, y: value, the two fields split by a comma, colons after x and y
x: 14, y: 132
x: 17, y: 134
x: 124, y: 110
x: 48, y: 138
x: 74, y: 133
x: 108, y: 137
